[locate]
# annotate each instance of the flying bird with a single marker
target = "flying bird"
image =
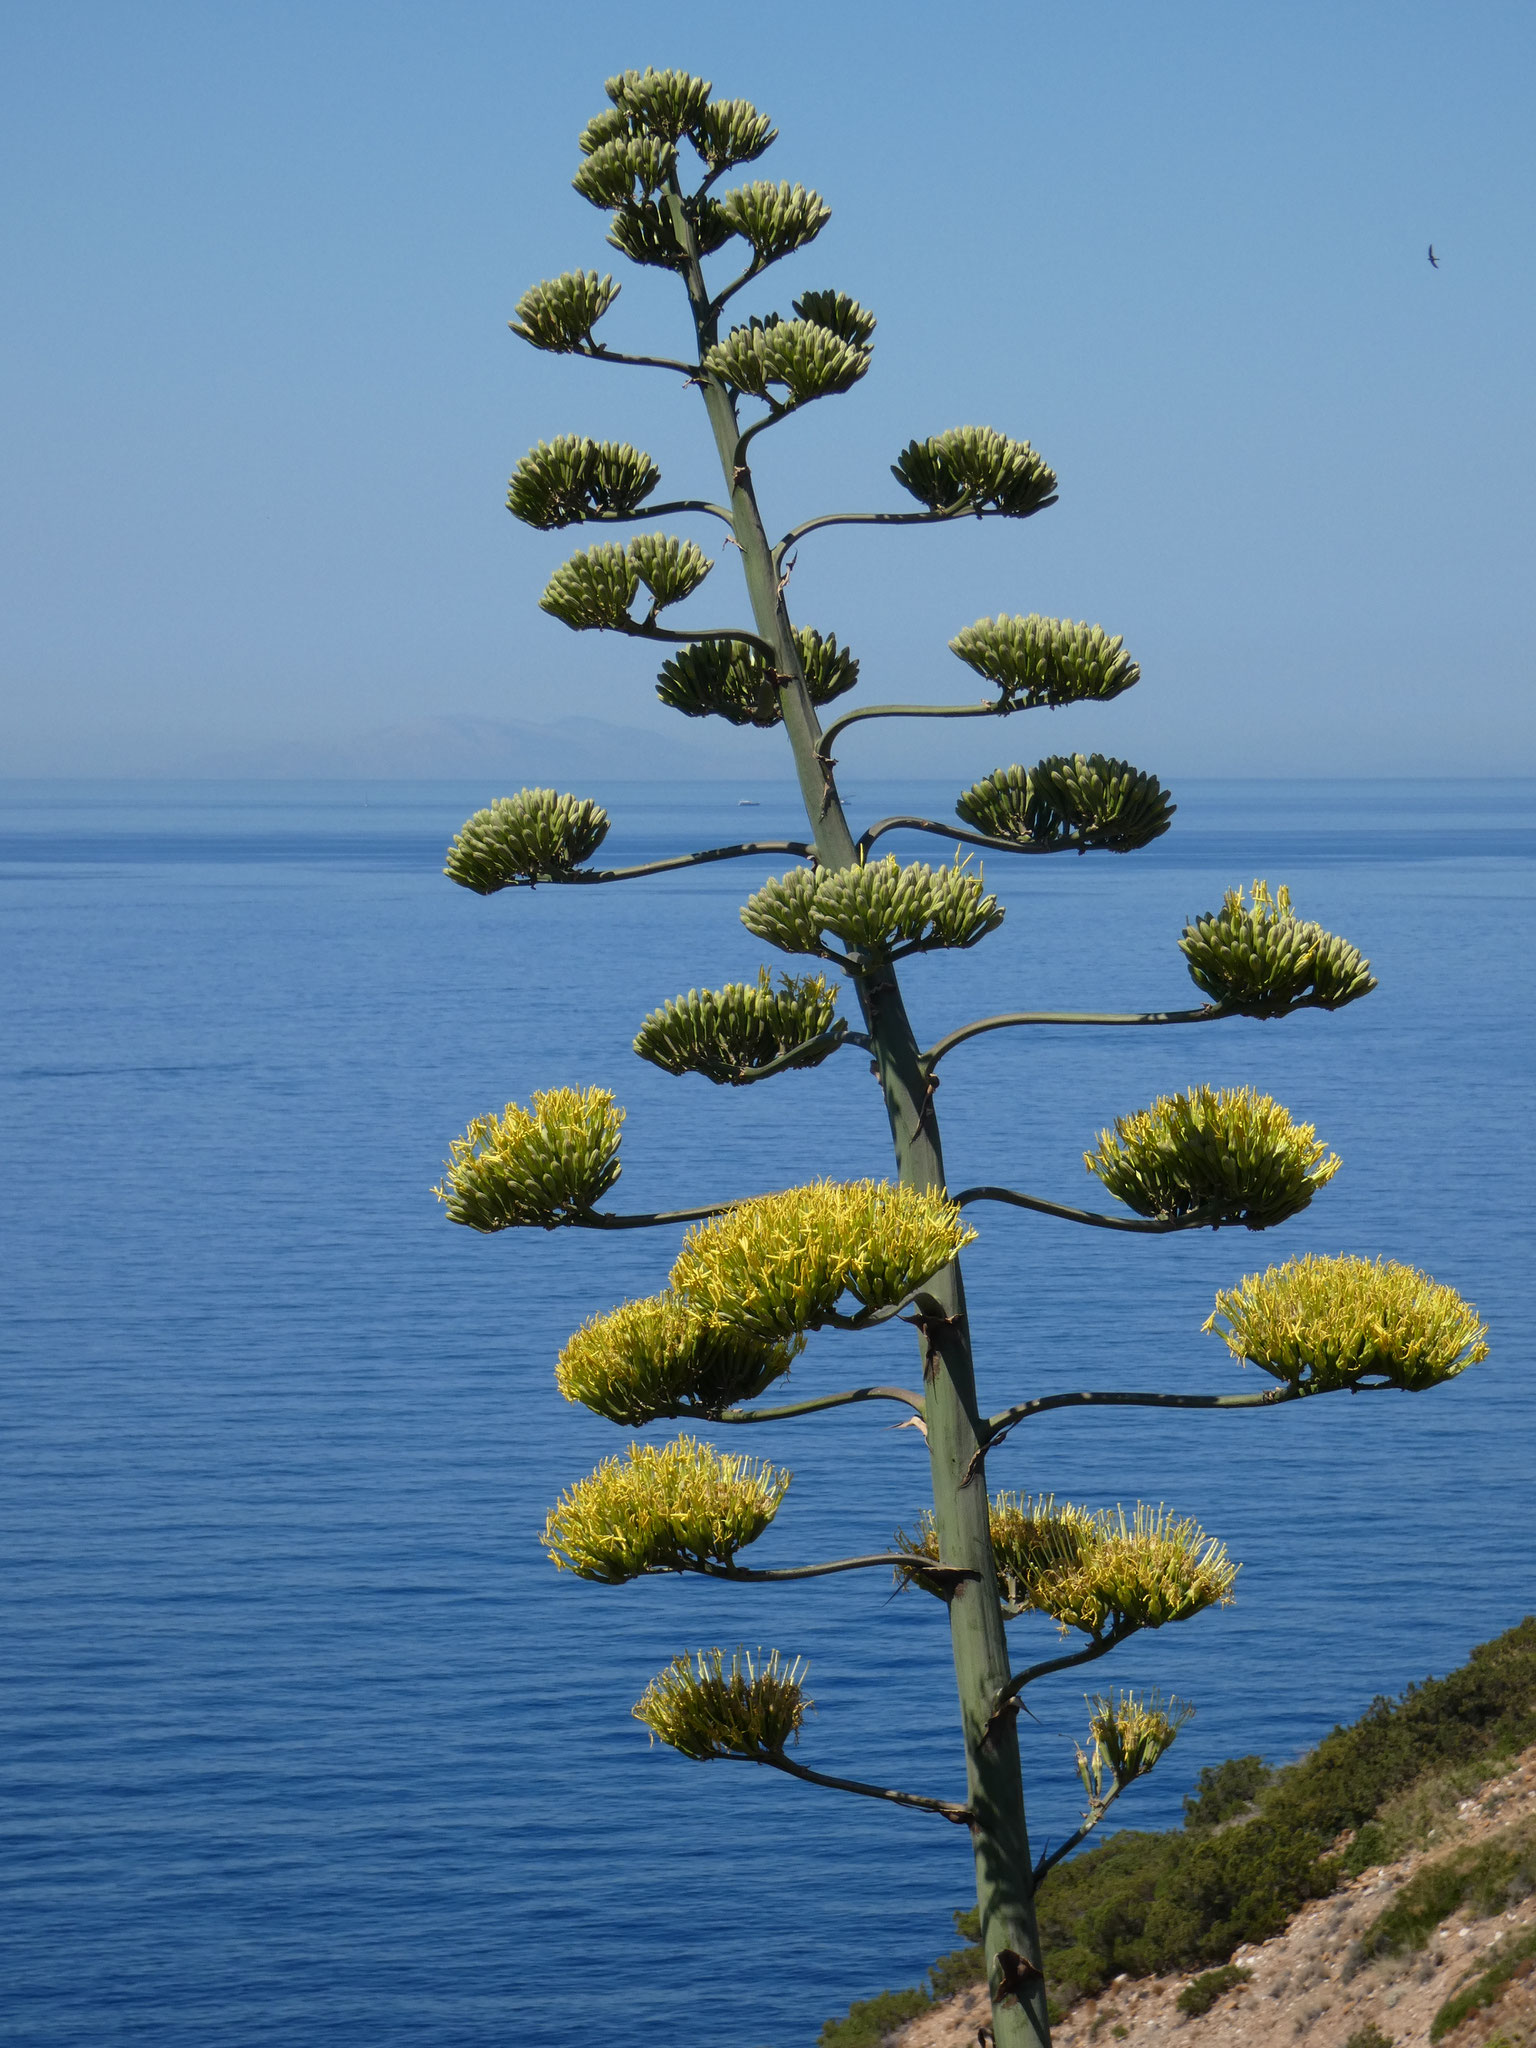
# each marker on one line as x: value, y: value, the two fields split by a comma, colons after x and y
x: 1434, y: 259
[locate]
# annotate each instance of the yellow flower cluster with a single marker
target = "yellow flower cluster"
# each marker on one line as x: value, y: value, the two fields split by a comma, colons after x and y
x: 659, y: 1357
x: 777, y: 1266
x: 1225, y: 1155
x: 1092, y: 1570
x: 1127, y: 1735
x: 680, y: 1507
x: 1322, y: 1323
x: 544, y: 1166
x: 701, y: 1708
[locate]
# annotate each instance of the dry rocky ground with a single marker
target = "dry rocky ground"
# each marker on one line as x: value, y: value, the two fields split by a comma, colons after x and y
x: 1307, y: 1991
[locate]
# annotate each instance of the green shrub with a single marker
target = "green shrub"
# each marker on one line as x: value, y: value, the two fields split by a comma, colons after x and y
x: 1150, y: 1904
x: 1202, y: 1994
x: 1369, y: 2036
x: 1518, y: 1960
x: 1487, y: 1877
x: 1223, y: 1791
x: 958, y: 1970
x: 1413, y: 1819
x: 870, y: 2020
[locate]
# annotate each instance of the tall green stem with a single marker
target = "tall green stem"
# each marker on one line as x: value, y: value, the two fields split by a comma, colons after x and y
x: 994, y: 1782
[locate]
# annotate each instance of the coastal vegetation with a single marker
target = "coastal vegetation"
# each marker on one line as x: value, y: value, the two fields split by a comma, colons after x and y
x: 1256, y: 1845
x: 758, y: 1276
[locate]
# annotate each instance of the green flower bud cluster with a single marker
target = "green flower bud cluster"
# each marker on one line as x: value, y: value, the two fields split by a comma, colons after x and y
x: 1090, y: 1569
x: 605, y: 127
x: 535, y: 836
x: 701, y: 1708
x: 559, y: 314
x: 730, y: 679
x: 731, y: 132
x: 669, y: 105
x: 643, y: 232
x: 1321, y: 1323
x: 630, y: 162
x: 804, y: 359
x: 729, y: 1034
x: 627, y: 169
x: 777, y: 1266
x: 835, y: 311
x: 659, y: 1357
x: 783, y: 912
x: 976, y: 469
x: 1127, y: 1736
x: 1265, y: 957
x: 1224, y: 1155
x: 1077, y: 800
x: 594, y: 590
x: 878, y: 906
x: 775, y: 219
x: 543, y: 1167
x: 671, y: 569
x: 661, y: 103
x: 572, y: 478
x: 630, y: 166
x: 681, y: 1507
x: 1038, y: 661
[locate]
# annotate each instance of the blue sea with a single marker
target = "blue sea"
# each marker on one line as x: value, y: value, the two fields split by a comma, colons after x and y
x: 302, y: 1739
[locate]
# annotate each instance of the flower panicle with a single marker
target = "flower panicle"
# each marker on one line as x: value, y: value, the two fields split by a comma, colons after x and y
x: 705, y: 1708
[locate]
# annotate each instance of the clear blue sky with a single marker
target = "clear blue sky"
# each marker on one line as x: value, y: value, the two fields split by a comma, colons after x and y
x: 261, y: 400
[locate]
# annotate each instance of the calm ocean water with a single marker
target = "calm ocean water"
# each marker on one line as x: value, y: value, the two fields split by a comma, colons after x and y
x: 301, y: 1738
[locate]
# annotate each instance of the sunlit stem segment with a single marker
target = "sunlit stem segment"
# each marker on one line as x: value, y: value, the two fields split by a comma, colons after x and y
x: 597, y: 353
x: 1112, y: 1018
x: 982, y: 839
x: 779, y: 1762
x: 682, y: 860
x: 816, y: 1571
x: 1208, y: 1013
x: 995, y: 1793
x: 1156, y: 1226
x: 1003, y: 1707
x: 1100, y: 1808
x: 700, y: 505
x: 798, y: 533
x: 647, y: 629
x: 841, y: 725
x: 602, y: 1219
x: 998, y: 1426
x: 902, y: 1394
x: 1272, y: 1397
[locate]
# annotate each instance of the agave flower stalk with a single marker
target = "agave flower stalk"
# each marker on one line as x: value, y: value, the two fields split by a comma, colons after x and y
x: 755, y: 1279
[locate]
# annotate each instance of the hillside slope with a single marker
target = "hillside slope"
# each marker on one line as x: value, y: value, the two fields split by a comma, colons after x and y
x: 1409, y: 1815
x: 1318, y: 1982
